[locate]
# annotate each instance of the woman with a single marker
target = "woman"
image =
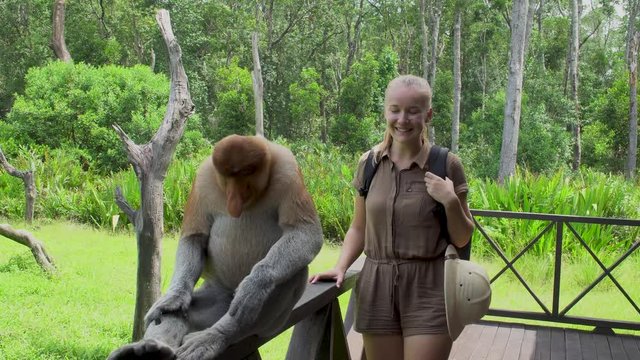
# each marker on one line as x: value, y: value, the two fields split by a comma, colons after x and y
x: 400, y: 292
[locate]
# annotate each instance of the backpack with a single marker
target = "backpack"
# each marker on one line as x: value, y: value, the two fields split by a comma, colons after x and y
x: 437, y: 165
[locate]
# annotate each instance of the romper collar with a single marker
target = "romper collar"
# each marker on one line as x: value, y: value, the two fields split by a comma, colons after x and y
x: 421, y: 158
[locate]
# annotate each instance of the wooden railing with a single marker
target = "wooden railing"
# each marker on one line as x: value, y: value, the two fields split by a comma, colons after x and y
x: 561, y: 224
x: 321, y: 334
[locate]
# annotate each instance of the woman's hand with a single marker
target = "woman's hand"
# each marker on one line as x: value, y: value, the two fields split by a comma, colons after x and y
x: 333, y: 274
x: 440, y: 189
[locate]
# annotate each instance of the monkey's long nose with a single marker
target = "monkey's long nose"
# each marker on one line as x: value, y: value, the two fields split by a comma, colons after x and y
x: 234, y: 202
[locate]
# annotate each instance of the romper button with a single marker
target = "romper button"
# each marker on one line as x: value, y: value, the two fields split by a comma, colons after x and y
x: 409, y: 190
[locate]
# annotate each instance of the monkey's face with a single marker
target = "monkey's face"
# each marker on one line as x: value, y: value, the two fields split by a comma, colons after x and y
x: 243, y: 164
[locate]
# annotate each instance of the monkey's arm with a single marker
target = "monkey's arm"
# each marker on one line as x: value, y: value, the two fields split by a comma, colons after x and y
x: 300, y: 242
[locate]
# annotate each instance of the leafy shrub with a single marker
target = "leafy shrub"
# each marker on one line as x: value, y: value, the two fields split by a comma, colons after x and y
x: 235, y: 111
x: 75, y: 105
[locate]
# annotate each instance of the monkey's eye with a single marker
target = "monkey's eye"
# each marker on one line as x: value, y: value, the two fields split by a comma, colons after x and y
x: 246, y: 171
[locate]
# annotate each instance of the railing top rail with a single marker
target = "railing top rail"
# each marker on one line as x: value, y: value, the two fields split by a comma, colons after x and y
x: 315, y: 297
x: 555, y: 217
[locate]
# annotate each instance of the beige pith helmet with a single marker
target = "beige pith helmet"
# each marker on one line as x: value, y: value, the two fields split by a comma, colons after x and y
x: 467, y: 292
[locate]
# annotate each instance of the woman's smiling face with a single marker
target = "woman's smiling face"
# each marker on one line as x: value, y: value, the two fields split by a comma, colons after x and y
x: 407, y: 112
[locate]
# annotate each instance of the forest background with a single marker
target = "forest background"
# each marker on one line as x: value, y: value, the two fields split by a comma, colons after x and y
x: 325, y: 65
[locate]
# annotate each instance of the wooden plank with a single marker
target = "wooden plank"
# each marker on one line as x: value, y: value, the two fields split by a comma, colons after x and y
x: 466, y: 343
x: 512, y: 349
x: 631, y: 347
x: 558, y: 349
x: 484, y: 342
x: 528, y: 347
x: 616, y: 348
x: 543, y: 344
x: 602, y: 347
x: 588, y: 346
x: 499, y: 342
x: 573, y: 347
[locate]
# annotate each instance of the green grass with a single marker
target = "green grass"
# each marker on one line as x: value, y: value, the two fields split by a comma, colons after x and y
x: 86, y: 309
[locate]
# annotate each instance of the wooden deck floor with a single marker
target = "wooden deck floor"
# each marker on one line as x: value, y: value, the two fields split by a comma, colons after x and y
x: 504, y: 341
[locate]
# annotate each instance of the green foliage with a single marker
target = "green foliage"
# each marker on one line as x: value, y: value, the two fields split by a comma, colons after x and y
x: 75, y: 105
x: 360, y: 89
x: 305, y: 96
x: 235, y: 112
x: 607, y: 129
x: 584, y: 194
x: 352, y: 134
x: 327, y: 175
x: 543, y: 146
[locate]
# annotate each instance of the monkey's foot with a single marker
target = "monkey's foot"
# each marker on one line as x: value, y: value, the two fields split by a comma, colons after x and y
x: 143, y: 350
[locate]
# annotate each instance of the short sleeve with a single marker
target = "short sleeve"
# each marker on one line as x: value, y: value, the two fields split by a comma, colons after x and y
x: 358, y: 178
x: 455, y: 172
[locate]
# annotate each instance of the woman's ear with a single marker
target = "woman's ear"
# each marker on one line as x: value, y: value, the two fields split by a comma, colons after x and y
x: 429, y: 116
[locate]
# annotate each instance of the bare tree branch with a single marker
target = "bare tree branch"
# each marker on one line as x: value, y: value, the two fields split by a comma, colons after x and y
x: 29, y: 186
x: 124, y: 206
x: 37, y: 247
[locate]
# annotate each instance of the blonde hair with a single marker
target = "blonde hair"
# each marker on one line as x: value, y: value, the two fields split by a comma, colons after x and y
x: 421, y: 85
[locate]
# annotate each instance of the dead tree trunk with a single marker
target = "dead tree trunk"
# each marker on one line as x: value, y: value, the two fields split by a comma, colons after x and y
x: 150, y: 162
x: 29, y: 186
x: 258, y: 86
x: 37, y: 248
x: 58, y: 44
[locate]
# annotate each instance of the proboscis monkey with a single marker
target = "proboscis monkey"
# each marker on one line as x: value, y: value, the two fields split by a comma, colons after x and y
x: 250, y: 229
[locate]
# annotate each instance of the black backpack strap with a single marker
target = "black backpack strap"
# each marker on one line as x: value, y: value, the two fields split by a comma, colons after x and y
x: 370, y: 167
x: 438, y: 160
x: 438, y: 165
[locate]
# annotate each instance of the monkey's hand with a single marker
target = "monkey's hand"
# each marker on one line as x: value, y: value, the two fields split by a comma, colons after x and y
x: 202, y: 345
x: 172, y: 301
x: 250, y: 296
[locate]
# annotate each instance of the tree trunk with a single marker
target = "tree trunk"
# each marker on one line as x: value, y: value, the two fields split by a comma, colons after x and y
x: 540, y: 34
x: 352, y: 41
x: 511, y: 128
x: 29, y: 186
x: 150, y: 162
x: 425, y: 40
x: 37, y: 248
x: 633, y: 106
x: 436, y: 15
x: 258, y: 86
x: 457, y: 81
x: 57, y: 39
x: 574, y: 49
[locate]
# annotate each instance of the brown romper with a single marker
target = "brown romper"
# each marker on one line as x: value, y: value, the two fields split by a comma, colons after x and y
x: 400, y: 289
